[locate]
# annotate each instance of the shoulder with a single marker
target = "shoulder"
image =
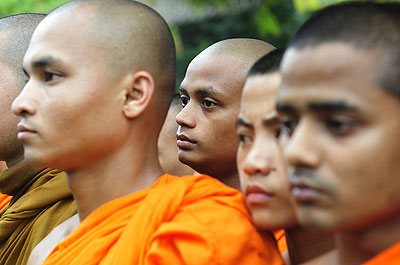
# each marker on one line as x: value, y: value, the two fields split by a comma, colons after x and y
x: 213, y: 220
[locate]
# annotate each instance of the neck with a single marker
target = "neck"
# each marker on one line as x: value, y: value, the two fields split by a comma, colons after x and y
x: 356, y: 247
x: 231, y: 180
x: 14, y: 160
x: 227, y: 174
x: 305, y: 246
x: 120, y: 174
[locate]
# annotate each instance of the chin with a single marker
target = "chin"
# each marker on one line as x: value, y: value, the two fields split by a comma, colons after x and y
x: 265, y: 221
x: 318, y: 221
x: 187, y: 158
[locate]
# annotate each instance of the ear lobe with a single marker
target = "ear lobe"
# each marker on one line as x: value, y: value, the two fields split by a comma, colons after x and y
x: 138, y: 93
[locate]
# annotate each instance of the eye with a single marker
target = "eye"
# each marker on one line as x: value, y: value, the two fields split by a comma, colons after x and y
x: 209, y: 103
x: 49, y: 76
x: 340, y: 125
x: 185, y: 100
x: 286, y: 126
x: 244, y: 139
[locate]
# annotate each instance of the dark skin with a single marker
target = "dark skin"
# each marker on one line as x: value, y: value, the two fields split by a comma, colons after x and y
x: 210, y: 95
x: 332, y: 93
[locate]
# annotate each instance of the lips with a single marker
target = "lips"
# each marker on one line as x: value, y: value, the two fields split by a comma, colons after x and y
x: 304, y: 191
x: 24, y: 132
x: 255, y: 195
x: 184, y: 142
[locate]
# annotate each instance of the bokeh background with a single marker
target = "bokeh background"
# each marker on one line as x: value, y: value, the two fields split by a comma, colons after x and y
x: 196, y: 24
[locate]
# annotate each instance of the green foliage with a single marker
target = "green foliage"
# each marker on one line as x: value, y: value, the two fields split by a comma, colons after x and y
x: 274, y: 21
x: 307, y: 6
x: 11, y: 7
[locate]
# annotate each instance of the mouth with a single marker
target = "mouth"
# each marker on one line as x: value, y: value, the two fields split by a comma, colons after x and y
x: 255, y: 195
x: 24, y: 132
x: 304, y: 192
x: 185, y: 143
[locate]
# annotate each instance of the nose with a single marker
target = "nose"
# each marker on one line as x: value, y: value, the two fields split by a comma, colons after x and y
x: 301, y: 150
x: 258, y: 161
x: 186, y: 117
x: 23, y: 105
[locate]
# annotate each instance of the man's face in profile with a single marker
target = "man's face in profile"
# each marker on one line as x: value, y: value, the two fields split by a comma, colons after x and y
x: 69, y: 109
x: 343, y: 145
x: 210, y: 95
x: 9, y: 89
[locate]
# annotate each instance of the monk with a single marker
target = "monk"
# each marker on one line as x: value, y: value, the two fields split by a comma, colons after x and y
x: 94, y: 105
x: 210, y: 95
x: 167, y: 149
x: 41, y: 199
x: 340, y: 107
x: 262, y: 169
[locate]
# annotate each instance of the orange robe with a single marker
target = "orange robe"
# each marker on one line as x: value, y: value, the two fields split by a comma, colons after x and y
x: 390, y: 256
x: 281, y: 240
x: 187, y: 220
x: 4, y: 200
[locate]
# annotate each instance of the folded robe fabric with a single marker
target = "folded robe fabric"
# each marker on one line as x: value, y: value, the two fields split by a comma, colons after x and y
x: 187, y: 220
x: 281, y: 240
x: 4, y: 200
x: 390, y: 256
x: 41, y: 200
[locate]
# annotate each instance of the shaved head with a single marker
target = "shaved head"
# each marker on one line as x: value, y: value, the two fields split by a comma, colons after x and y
x: 114, y: 61
x: 372, y: 27
x: 211, y: 93
x: 133, y: 37
x: 244, y: 51
x: 15, y: 33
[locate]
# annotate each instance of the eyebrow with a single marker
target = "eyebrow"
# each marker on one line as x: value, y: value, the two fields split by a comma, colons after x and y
x: 45, y: 61
x: 283, y: 107
x: 241, y: 121
x: 331, y: 106
x: 203, y: 91
x: 271, y: 119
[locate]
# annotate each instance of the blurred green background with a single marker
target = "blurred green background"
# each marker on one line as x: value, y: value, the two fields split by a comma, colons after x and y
x: 208, y: 21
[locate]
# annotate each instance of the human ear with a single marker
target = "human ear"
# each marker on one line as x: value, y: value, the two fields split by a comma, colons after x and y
x: 138, y: 93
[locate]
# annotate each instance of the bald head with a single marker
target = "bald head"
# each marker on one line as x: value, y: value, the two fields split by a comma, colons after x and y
x: 15, y: 33
x: 210, y: 93
x: 132, y: 37
x: 244, y: 51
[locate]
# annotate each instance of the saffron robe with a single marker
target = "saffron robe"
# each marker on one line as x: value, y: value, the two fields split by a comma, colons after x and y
x: 4, y: 200
x: 390, y: 256
x: 186, y: 220
x: 41, y: 201
x: 281, y: 240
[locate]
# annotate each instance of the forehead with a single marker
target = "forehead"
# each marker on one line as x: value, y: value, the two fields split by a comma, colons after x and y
x: 224, y: 74
x: 57, y: 35
x: 260, y: 91
x: 329, y: 71
x: 259, y: 97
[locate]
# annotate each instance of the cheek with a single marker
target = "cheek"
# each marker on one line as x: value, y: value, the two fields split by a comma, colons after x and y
x: 364, y: 168
x: 241, y: 155
x: 240, y: 161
